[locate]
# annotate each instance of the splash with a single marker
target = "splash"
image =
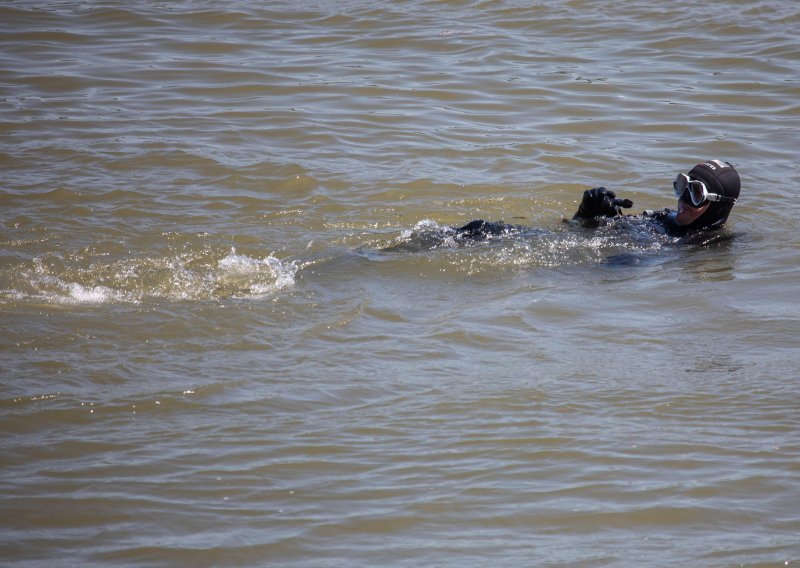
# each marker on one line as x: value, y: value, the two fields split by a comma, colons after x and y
x: 191, y: 276
x: 257, y: 277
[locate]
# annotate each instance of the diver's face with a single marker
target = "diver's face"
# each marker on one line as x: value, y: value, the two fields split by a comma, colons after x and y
x: 688, y: 213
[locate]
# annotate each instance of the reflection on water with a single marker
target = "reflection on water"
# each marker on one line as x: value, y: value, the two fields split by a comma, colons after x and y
x: 712, y: 262
x: 239, y: 329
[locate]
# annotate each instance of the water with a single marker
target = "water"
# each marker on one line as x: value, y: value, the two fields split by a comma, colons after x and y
x: 236, y: 331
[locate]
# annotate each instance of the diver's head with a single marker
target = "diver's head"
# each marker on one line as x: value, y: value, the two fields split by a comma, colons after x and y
x: 706, y: 194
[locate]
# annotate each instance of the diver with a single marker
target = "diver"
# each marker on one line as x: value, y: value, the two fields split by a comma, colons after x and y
x: 705, y: 195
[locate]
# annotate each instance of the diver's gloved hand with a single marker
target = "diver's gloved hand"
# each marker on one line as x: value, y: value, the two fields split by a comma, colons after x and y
x: 600, y: 202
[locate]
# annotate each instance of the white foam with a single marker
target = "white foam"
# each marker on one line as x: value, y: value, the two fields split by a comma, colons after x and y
x: 42, y: 284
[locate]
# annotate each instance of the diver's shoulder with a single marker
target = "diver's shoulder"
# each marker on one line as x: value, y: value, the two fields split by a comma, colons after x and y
x: 665, y: 219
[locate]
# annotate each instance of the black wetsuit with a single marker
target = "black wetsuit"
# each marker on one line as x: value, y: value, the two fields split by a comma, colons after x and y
x: 661, y: 221
x: 601, y: 211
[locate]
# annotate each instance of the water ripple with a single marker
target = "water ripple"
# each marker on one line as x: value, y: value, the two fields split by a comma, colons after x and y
x: 210, y: 357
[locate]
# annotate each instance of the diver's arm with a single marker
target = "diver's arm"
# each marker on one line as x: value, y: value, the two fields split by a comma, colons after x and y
x: 600, y: 202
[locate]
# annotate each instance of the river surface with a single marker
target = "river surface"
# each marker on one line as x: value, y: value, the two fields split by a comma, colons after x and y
x: 236, y: 329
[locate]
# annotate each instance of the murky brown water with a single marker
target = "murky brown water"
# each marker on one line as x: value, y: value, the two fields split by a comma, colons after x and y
x: 233, y: 333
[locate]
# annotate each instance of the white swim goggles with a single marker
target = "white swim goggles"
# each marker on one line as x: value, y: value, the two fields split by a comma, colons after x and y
x: 698, y: 192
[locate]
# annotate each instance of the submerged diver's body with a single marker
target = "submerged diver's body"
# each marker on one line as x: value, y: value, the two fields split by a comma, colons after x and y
x: 705, y: 199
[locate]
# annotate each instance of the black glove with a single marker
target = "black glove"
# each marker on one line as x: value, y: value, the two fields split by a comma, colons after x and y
x: 600, y: 202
